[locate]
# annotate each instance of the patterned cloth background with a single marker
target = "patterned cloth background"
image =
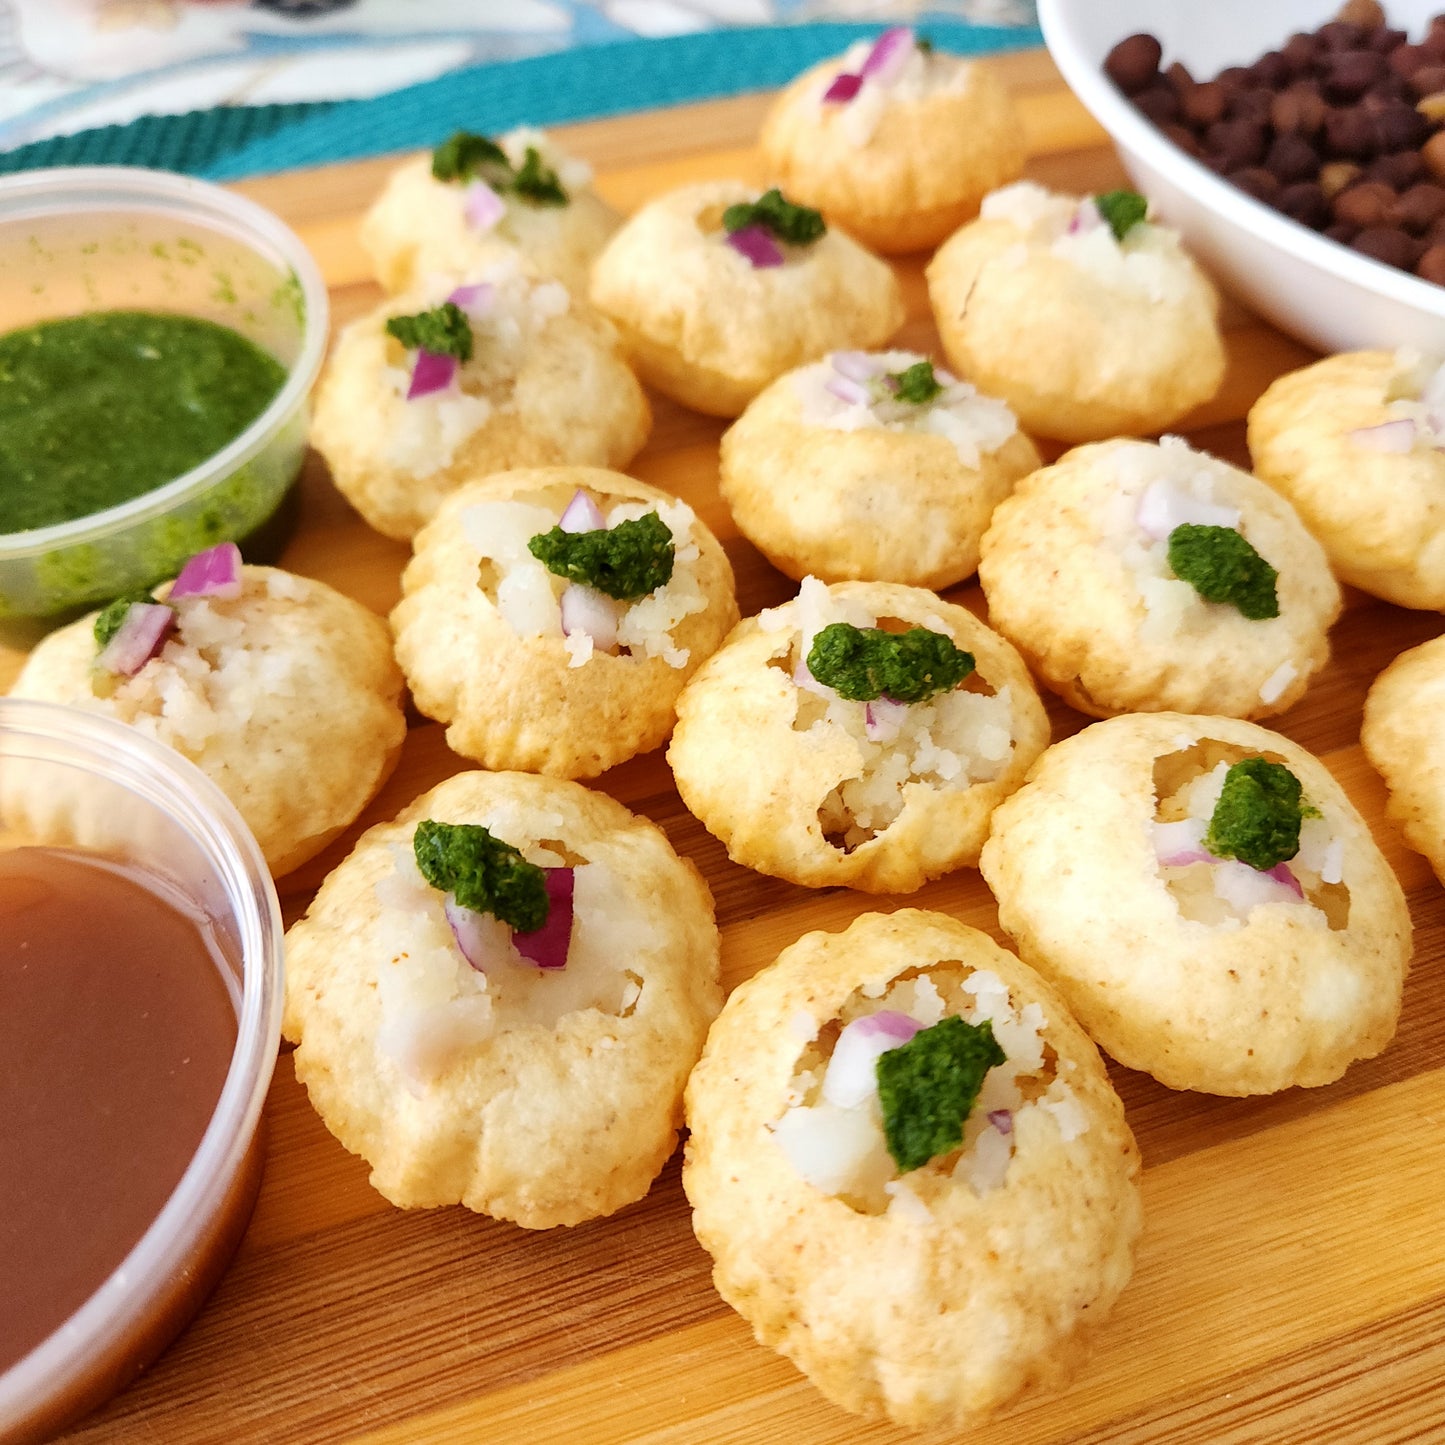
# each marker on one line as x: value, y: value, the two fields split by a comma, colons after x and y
x: 70, y: 65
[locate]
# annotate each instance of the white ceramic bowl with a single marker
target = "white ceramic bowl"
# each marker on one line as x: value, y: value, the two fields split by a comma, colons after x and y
x: 1323, y: 293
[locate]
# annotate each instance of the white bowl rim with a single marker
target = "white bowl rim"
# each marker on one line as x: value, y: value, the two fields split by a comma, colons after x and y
x: 1134, y: 132
x: 120, y: 189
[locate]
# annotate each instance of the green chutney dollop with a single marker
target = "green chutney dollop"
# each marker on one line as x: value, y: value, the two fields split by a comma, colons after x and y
x: 99, y: 408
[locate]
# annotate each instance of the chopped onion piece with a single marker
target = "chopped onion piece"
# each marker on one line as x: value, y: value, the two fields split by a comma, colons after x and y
x: 481, y: 938
x: 141, y: 634
x: 756, y: 246
x: 1002, y: 1120
x: 856, y: 365
x: 547, y: 946
x: 890, y: 53
x: 482, y: 207
x: 883, y: 719
x: 852, y: 1074
x: 1273, y: 687
x: 216, y: 572
x: 1177, y: 844
x: 584, y: 609
x: 432, y: 372
x: 475, y: 300
x: 850, y: 393
x: 1086, y: 217
x: 581, y: 514
x: 1281, y: 874
x: 804, y: 679
x: 1163, y: 507
x: 1244, y: 888
x: 1389, y: 436
x: 844, y: 87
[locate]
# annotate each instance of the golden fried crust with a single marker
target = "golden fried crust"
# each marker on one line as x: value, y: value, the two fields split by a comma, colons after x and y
x: 543, y: 1126
x: 513, y: 702
x: 1076, y: 359
x: 573, y: 400
x: 708, y: 329
x: 757, y: 783
x: 930, y: 1322
x: 1282, y: 999
x: 1380, y: 515
x: 417, y: 229
x: 299, y: 734
x: 873, y: 505
x: 1068, y: 601
x: 1402, y: 736
x: 922, y: 173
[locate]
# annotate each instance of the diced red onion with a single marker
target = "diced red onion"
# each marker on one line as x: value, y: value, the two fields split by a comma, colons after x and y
x: 1086, y: 217
x: 889, y: 55
x: 216, y: 572
x: 944, y: 378
x: 852, y: 1074
x: 1245, y: 888
x: 804, y: 679
x: 581, y: 514
x: 139, y: 637
x: 844, y: 87
x: 756, y: 246
x: 547, y: 946
x: 1163, y: 507
x: 476, y: 299
x: 584, y: 609
x: 883, y: 719
x: 850, y: 393
x: 1388, y: 436
x: 432, y: 372
x: 1002, y: 1120
x: 477, y: 934
x: 482, y: 207
x: 856, y: 365
x: 1179, y: 843
x: 1281, y: 874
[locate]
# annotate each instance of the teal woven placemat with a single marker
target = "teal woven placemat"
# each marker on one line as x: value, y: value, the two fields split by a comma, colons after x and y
x: 581, y: 84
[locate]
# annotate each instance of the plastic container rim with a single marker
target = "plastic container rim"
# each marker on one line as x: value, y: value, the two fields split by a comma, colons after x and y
x: 109, y: 749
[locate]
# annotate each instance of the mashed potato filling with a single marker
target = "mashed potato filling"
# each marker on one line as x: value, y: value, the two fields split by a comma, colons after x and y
x: 1147, y: 261
x: 922, y: 75
x: 976, y: 425
x: 529, y: 596
x: 1160, y: 488
x: 436, y: 1006
x: 832, y: 1128
x: 1224, y: 892
x: 506, y: 319
x: 945, y: 744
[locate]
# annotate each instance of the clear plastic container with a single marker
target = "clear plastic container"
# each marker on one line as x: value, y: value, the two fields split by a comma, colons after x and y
x: 99, y: 238
x: 75, y: 779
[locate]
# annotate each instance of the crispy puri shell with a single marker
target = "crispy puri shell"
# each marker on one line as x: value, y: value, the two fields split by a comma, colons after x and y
x: 1281, y: 1000
x: 927, y: 1322
x: 540, y: 1126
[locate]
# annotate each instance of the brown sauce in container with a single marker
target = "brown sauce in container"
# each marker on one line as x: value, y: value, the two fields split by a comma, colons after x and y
x: 117, y: 1029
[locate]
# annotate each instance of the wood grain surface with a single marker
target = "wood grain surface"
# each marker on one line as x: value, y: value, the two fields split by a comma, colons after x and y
x: 1291, y: 1278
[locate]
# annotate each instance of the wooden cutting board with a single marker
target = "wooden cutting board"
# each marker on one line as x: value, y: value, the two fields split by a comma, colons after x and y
x: 1291, y: 1279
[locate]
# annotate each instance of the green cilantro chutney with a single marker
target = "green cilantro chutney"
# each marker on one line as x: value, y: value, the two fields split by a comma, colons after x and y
x: 100, y: 408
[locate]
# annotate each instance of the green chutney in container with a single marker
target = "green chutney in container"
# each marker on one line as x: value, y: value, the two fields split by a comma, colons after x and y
x: 100, y: 408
